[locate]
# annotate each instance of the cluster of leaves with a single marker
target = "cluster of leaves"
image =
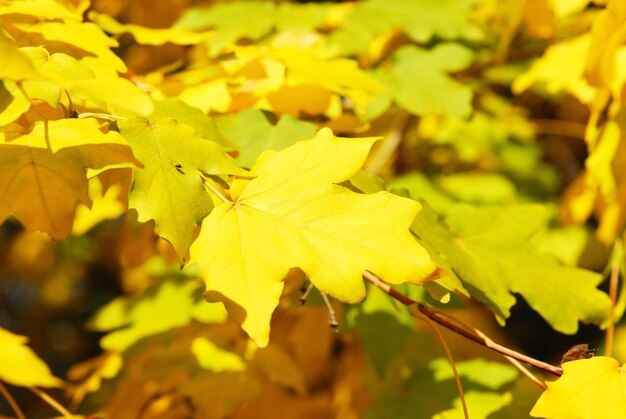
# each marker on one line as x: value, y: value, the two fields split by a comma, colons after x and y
x: 229, y: 141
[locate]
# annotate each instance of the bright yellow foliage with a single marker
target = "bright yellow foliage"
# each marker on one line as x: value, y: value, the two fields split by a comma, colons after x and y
x: 292, y: 214
x: 20, y: 366
x: 589, y: 388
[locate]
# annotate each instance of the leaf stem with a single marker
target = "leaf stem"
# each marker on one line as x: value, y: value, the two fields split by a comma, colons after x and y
x: 7, y: 396
x: 213, y: 189
x: 100, y: 115
x: 513, y: 361
x: 376, y: 281
x: 613, y: 283
x: 51, y: 402
x: 332, y: 320
x: 459, y: 386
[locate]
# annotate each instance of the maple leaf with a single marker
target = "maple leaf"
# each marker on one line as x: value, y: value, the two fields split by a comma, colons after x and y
x: 254, y: 133
x: 106, y: 205
x: 20, y: 366
x: 92, y: 373
x: 166, y: 306
x: 16, y: 64
x: 212, y: 357
x: 230, y: 21
x: 48, y: 163
x: 169, y: 189
x: 13, y: 103
x: 419, y: 19
x: 589, y: 388
x: 418, y: 82
x: 292, y: 214
x: 148, y: 36
x: 487, y: 249
x: 560, y: 68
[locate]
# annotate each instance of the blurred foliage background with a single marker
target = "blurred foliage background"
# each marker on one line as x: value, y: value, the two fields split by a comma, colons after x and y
x: 482, y: 102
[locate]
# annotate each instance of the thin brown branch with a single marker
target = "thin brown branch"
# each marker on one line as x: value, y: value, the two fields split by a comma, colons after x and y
x: 563, y: 128
x: 16, y: 407
x: 513, y: 361
x: 613, y: 283
x: 51, y: 402
x: 374, y: 280
x: 459, y: 386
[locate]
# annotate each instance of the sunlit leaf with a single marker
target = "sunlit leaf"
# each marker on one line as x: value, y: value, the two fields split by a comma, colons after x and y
x: 560, y: 68
x: 418, y: 81
x: 480, y: 405
x: 169, y: 187
x: 16, y: 65
x: 589, y: 388
x: 254, y: 133
x: 492, y: 375
x: 164, y: 307
x: 148, y: 36
x: 230, y: 22
x: 20, y: 366
x: 487, y: 249
x: 288, y: 216
x: 213, y: 358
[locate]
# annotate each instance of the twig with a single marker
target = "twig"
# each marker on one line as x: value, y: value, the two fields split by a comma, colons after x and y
x: 513, y: 361
x: 332, y: 320
x: 570, y: 129
x: 213, y: 189
x: 51, y: 402
x: 459, y: 386
x: 613, y: 282
x: 7, y: 396
x: 305, y: 293
x: 374, y: 280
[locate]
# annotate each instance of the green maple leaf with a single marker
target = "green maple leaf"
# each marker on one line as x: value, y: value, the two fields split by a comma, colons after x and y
x: 168, y: 305
x: 204, y: 126
x: 292, y: 214
x: 489, y: 374
x: 230, y: 22
x: 254, y: 133
x: 423, y: 19
x: 169, y: 188
x: 418, y: 79
x: 480, y: 404
x: 420, y: 20
x: 488, y: 250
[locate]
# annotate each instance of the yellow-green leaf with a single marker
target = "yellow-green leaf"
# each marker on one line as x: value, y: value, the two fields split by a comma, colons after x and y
x: 64, y: 133
x: 294, y: 215
x: 20, y: 366
x: 589, y: 388
x: 214, y: 358
x: 149, y: 36
x: 169, y: 187
x: 560, y: 68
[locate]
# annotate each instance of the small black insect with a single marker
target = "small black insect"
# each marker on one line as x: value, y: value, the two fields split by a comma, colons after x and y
x: 178, y: 167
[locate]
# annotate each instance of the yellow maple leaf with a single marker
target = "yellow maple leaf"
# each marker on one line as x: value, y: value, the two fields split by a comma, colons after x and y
x: 105, y: 205
x: 42, y: 173
x: 149, y: 36
x: 16, y: 65
x: 562, y: 67
x: 589, y: 388
x: 20, y: 366
x: 293, y: 214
